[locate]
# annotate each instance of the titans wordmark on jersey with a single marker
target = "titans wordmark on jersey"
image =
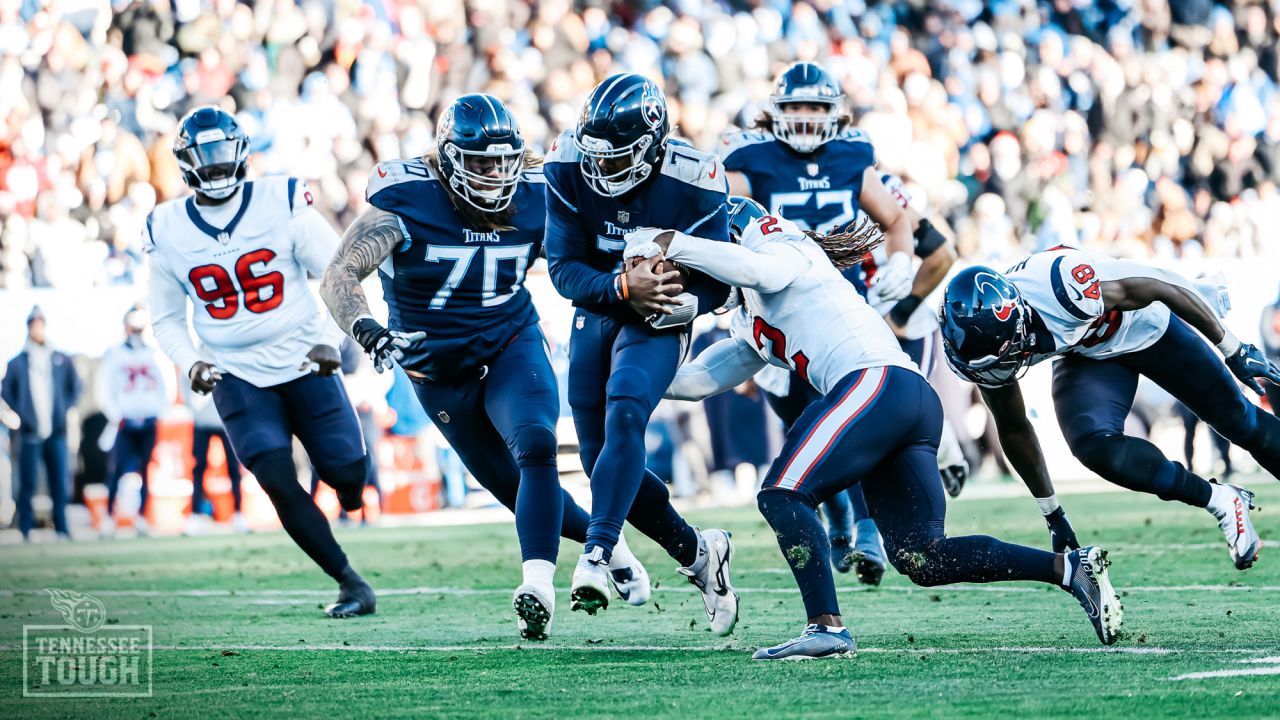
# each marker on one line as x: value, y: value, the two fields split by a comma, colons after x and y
x: 1064, y: 286
x: 244, y: 266
x: 462, y: 285
x: 818, y: 325
x: 817, y: 191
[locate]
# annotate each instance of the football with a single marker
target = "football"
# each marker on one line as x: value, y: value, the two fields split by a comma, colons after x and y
x: 663, y: 266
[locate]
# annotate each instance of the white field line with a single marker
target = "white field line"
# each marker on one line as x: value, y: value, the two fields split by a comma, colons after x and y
x: 456, y: 591
x: 1016, y: 650
x: 1234, y: 672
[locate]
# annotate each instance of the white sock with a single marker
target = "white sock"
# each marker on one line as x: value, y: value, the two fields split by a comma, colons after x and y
x: 539, y: 573
x: 1048, y: 504
x: 1066, y: 570
x: 622, y: 555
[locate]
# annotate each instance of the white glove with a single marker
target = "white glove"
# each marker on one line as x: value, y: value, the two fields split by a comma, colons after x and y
x: 640, y: 243
x: 893, y: 280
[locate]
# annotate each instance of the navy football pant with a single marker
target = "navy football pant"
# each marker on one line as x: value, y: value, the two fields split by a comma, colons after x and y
x: 1093, y: 397
x: 134, y: 444
x: 879, y: 428
x: 261, y: 422
x: 617, y: 374
x: 503, y: 426
x: 846, y: 508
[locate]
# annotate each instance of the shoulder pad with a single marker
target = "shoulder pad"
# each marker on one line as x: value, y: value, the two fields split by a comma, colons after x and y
x: 853, y: 134
x: 535, y: 176
x: 563, y: 149
x: 393, y: 172
x: 771, y: 228
x: 273, y: 189
x: 1074, y: 281
x: 300, y: 196
x: 694, y: 167
x: 734, y: 142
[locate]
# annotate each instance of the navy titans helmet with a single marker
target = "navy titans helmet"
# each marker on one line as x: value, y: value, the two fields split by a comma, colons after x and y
x: 622, y: 133
x: 807, y: 83
x: 481, y: 151
x: 742, y: 211
x: 986, y: 327
x: 212, y: 152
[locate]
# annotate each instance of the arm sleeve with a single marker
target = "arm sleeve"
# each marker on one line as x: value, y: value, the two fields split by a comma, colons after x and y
x: 725, y: 365
x: 567, y: 250
x: 314, y: 244
x: 168, y: 300
x: 767, y: 269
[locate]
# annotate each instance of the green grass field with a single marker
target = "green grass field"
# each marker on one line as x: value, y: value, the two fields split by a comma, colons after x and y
x: 239, y: 631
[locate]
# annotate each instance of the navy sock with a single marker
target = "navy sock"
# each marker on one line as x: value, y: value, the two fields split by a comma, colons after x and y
x: 653, y: 515
x: 300, y: 517
x: 539, y: 509
x: 805, y: 547
x: 618, y: 472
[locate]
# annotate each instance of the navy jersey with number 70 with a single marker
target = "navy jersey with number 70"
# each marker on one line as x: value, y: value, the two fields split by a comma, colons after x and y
x: 462, y: 285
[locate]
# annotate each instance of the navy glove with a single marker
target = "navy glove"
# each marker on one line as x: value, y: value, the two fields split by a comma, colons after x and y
x: 1248, y: 363
x: 386, y: 347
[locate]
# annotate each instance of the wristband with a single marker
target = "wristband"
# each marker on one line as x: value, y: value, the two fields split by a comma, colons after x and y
x: 903, y: 310
x: 1229, y: 344
x: 626, y: 294
x: 928, y: 239
x: 617, y: 286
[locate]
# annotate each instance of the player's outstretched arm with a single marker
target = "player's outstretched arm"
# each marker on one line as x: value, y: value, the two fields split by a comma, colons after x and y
x: 1018, y: 438
x: 893, y: 281
x: 766, y: 270
x: 725, y: 365
x: 367, y: 243
x: 1245, y: 361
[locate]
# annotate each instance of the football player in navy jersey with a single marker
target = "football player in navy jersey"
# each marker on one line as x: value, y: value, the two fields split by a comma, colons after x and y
x: 451, y: 236
x: 617, y: 171
x: 803, y: 162
x: 239, y: 251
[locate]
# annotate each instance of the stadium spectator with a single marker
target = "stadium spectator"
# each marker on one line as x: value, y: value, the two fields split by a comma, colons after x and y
x: 40, y: 386
x: 134, y: 389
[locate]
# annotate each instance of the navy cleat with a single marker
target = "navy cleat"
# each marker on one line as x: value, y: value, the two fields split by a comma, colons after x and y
x: 1092, y: 588
x: 1231, y: 504
x: 818, y: 641
x: 1061, y: 534
x: 355, y: 597
x: 842, y: 554
x: 869, y: 553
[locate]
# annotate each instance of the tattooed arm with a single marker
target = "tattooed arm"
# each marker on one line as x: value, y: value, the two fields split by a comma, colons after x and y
x: 370, y: 240
x: 367, y: 243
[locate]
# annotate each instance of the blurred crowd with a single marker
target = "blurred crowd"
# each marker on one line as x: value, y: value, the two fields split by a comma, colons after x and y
x: 1143, y: 127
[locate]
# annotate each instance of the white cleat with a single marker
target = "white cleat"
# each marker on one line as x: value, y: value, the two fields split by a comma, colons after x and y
x: 1231, y: 504
x: 240, y: 525
x: 196, y: 525
x: 140, y: 527
x: 590, y: 583
x: 628, y: 576
x: 107, y: 529
x: 535, y: 607
x: 710, y: 574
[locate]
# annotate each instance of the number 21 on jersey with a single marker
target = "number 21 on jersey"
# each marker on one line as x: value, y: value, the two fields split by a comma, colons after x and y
x: 763, y: 331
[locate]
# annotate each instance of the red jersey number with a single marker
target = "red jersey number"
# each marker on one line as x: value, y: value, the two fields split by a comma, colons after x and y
x: 222, y: 298
x: 778, y: 346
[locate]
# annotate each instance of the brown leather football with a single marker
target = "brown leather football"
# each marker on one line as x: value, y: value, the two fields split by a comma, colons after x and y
x: 663, y: 266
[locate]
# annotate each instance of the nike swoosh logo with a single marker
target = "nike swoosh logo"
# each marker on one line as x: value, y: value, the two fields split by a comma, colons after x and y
x: 714, y: 169
x: 1074, y: 291
x: 381, y: 172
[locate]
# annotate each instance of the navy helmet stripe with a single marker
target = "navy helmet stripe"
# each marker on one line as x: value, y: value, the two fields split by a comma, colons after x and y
x: 293, y: 186
x: 1060, y: 292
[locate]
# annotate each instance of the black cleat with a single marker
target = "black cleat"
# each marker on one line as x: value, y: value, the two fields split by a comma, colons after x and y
x: 869, y: 570
x: 953, y: 479
x: 842, y: 554
x: 533, y: 613
x: 355, y: 597
x: 1092, y: 588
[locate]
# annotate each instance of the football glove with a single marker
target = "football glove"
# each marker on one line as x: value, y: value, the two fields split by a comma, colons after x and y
x: 1248, y: 364
x: 893, y: 280
x: 385, y: 347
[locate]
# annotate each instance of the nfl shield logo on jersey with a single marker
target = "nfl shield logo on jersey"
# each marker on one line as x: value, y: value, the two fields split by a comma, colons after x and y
x: 812, y: 168
x: 624, y: 216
